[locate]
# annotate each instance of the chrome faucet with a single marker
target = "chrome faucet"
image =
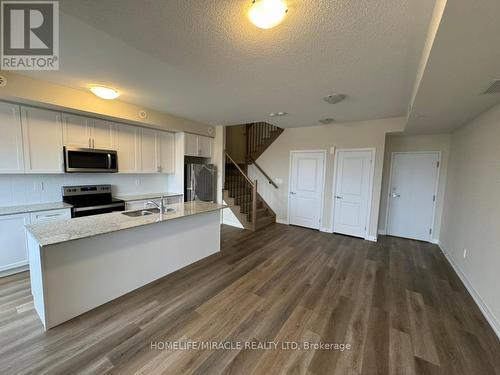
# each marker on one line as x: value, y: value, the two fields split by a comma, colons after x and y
x: 160, y: 206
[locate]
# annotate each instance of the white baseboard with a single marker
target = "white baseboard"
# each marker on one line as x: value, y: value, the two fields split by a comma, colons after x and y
x: 485, y: 310
x: 435, y: 241
x: 326, y: 230
x: 281, y: 221
x: 371, y: 238
x: 13, y: 271
x: 381, y: 232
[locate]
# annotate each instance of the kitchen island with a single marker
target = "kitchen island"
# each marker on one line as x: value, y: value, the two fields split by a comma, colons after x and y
x: 79, y: 264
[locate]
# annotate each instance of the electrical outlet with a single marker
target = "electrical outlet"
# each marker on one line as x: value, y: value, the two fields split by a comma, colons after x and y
x: 465, y: 253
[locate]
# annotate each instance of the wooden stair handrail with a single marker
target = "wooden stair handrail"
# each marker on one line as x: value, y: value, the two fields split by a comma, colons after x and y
x: 239, y: 169
x: 264, y: 173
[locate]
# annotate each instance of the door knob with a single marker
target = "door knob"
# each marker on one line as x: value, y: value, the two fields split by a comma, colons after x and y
x: 292, y: 193
x: 338, y: 197
x: 395, y: 195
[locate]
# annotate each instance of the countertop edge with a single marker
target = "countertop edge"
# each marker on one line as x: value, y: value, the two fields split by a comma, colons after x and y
x: 142, y: 197
x: 138, y: 225
x: 23, y: 209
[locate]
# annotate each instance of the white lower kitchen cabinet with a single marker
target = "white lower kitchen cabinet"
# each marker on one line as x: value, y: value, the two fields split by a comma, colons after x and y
x: 13, y: 243
x: 50, y: 216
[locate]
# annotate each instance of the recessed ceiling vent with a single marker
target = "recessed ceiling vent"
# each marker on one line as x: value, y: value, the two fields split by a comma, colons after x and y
x: 327, y: 121
x: 494, y: 88
x: 334, y: 98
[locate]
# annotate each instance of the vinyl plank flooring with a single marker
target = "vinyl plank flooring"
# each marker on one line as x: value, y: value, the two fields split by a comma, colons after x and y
x: 398, y: 303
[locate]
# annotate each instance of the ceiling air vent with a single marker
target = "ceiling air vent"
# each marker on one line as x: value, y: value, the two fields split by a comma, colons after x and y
x: 327, y: 121
x: 334, y: 98
x: 494, y: 88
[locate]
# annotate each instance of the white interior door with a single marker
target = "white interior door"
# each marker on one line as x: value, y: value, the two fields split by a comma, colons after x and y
x: 354, y: 178
x: 306, y: 188
x: 412, y: 195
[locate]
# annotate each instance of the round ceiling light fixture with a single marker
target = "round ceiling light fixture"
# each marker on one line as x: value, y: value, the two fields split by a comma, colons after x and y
x: 266, y: 14
x: 104, y: 92
x: 279, y: 114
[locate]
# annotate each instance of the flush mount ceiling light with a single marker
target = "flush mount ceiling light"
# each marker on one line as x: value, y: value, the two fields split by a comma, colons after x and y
x: 266, y: 14
x: 279, y: 114
x: 104, y: 92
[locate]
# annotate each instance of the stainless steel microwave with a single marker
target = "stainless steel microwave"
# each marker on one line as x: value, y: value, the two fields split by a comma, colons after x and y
x: 88, y: 160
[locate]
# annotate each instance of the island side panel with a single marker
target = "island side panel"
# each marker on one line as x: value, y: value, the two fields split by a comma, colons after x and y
x: 83, y: 274
x: 36, y: 276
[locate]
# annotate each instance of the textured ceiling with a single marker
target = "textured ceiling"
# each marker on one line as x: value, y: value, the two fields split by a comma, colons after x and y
x: 203, y: 59
x: 463, y: 62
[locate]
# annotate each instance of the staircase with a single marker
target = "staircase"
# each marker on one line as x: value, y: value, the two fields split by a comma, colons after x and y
x: 240, y: 193
x: 260, y: 135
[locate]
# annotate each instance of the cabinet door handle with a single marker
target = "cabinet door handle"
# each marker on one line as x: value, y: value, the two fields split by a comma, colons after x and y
x: 51, y: 215
x: 90, y: 143
x: 93, y: 143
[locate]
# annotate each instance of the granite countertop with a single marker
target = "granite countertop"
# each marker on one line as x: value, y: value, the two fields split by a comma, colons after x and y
x: 73, y: 229
x: 23, y: 209
x: 143, y: 197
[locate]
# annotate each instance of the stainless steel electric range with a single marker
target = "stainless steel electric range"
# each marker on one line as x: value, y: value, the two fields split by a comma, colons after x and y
x: 91, y: 200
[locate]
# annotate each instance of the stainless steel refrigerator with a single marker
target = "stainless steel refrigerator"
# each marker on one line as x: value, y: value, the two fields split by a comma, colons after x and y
x: 200, y: 182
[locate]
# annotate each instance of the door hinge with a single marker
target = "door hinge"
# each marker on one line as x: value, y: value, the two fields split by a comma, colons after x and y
x: 430, y: 231
x: 433, y: 198
x: 437, y: 164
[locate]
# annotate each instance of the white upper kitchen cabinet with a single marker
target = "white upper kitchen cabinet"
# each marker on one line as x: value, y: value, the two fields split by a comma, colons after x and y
x: 11, y: 139
x: 13, y: 241
x: 128, y: 147
x: 205, y: 146
x: 197, y: 145
x: 149, y: 151
x: 85, y: 132
x: 167, y: 152
x: 77, y: 131
x: 43, y: 140
x: 191, y: 145
x: 103, y: 135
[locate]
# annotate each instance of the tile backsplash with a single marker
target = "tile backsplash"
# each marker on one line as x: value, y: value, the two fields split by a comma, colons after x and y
x: 27, y: 189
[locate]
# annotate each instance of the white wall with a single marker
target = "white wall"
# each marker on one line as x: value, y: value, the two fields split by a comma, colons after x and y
x: 29, y: 189
x: 409, y: 143
x: 275, y: 161
x: 471, y: 218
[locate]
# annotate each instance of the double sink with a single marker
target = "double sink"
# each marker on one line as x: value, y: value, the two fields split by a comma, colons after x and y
x: 146, y: 212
